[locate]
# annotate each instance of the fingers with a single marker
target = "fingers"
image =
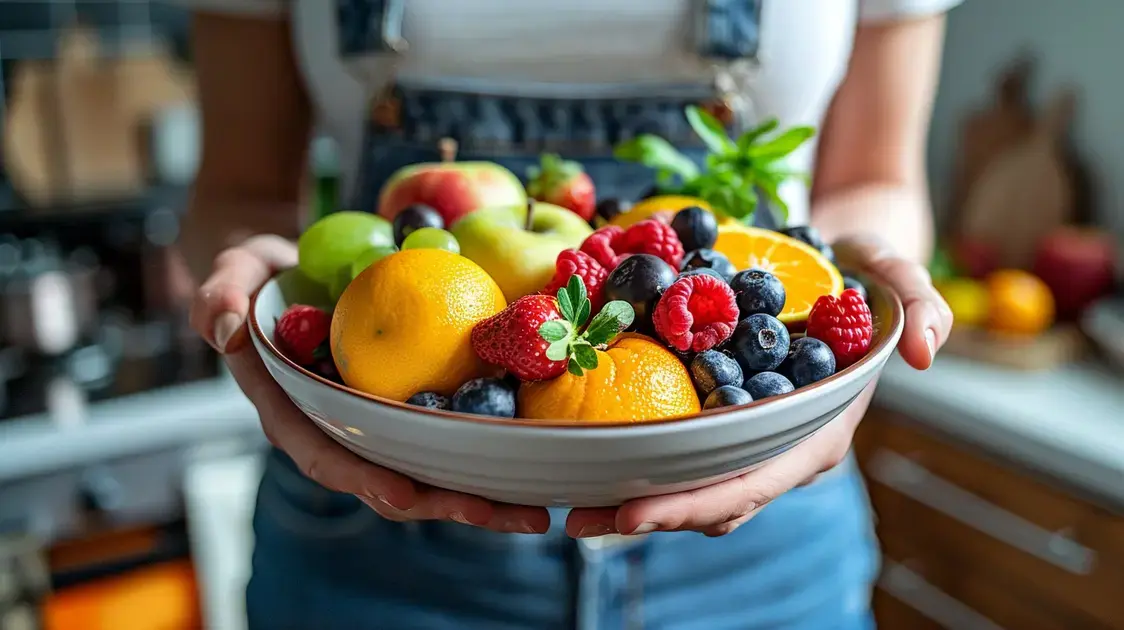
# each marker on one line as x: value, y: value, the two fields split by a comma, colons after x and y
x: 219, y: 310
x: 928, y: 320
x: 315, y: 454
x: 438, y: 504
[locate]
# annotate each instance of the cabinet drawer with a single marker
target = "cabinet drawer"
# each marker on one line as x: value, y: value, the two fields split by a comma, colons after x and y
x: 992, y: 522
x: 979, y: 592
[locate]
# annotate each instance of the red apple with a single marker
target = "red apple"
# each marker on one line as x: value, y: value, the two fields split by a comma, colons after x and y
x: 1078, y: 266
x: 974, y: 258
x: 452, y: 188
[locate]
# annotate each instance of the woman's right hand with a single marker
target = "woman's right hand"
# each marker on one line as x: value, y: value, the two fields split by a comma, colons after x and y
x: 218, y: 313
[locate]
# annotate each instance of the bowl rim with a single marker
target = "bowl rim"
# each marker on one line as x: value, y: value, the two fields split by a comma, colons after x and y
x: 890, y: 338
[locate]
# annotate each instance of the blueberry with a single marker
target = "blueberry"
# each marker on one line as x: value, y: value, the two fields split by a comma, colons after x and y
x: 727, y: 396
x: 649, y: 192
x: 760, y: 343
x: 710, y: 259
x: 696, y: 228
x: 809, y: 360
x: 640, y: 280
x: 702, y: 271
x: 610, y: 208
x: 712, y: 369
x: 810, y: 236
x: 485, y: 397
x: 429, y: 400
x: 853, y: 283
x: 767, y: 384
x: 413, y: 218
x: 758, y: 291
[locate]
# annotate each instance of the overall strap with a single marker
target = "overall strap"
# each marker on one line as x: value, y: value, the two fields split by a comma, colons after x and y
x: 370, y: 26
x: 728, y: 30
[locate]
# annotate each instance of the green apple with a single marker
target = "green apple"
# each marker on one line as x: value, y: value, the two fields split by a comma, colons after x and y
x: 518, y: 256
x: 327, y: 249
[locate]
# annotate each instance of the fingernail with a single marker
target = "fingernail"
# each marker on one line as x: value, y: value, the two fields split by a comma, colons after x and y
x: 458, y: 517
x: 225, y: 326
x: 386, y: 501
x: 646, y: 527
x: 518, y: 527
x: 931, y: 341
x: 594, y: 530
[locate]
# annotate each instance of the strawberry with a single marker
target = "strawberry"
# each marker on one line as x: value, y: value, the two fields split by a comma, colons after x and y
x: 562, y: 183
x: 844, y: 323
x: 538, y: 337
x: 300, y: 333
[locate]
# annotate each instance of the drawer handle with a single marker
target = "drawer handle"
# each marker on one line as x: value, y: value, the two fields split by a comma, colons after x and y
x: 940, y: 607
x: 918, y: 483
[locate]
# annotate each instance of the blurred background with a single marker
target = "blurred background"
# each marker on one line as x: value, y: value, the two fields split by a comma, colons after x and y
x: 129, y: 461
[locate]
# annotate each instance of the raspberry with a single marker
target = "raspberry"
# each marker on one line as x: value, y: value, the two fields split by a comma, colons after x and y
x: 654, y: 237
x: 650, y: 236
x: 602, y: 245
x: 844, y: 324
x: 696, y: 313
x: 572, y: 262
x: 300, y: 331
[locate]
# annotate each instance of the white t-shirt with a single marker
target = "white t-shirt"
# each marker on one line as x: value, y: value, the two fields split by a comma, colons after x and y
x: 803, y: 52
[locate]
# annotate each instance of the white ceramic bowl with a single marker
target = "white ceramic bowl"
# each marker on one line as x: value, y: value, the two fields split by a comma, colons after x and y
x: 566, y: 463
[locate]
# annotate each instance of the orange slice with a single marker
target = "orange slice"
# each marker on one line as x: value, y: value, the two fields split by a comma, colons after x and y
x: 805, y: 272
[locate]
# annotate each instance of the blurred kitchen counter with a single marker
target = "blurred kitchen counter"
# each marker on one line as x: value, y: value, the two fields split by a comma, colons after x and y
x: 173, y: 417
x: 1067, y: 424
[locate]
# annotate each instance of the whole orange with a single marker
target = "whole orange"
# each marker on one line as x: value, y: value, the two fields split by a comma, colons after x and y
x: 636, y: 379
x: 1019, y: 303
x: 404, y: 324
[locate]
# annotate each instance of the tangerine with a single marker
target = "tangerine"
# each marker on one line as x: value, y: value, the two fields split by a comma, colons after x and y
x: 1020, y: 303
x: 636, y: 379
x: 404, y: 324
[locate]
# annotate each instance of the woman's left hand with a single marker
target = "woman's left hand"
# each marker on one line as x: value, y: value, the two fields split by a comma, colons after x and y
x: 719, y: 509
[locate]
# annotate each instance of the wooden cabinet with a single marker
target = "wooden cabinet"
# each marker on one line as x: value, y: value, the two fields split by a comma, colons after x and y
x: 973, y: 541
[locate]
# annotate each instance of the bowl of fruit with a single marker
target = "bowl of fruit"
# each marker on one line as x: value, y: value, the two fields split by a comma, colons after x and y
x: 656, y: 355
x: 543, y: 353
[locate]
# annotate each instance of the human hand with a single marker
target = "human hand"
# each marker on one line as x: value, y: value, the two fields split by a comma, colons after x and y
x: 721, y: 508
x: 218, y: 313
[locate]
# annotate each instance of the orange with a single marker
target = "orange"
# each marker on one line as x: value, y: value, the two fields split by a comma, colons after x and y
x: 404, y: 324
x: 664, y: 206
x: 805, y: 272
x: 636, y: 379
x: 967, y: 298
x: 1020, y: 303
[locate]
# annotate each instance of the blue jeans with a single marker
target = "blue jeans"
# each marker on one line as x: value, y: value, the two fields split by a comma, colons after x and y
x: 324, y: 561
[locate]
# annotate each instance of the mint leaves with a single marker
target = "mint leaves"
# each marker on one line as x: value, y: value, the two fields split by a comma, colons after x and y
x: 565, y: 336
x: 736, y: 169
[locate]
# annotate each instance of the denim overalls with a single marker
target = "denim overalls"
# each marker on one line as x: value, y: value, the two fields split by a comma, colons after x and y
x: 324, y: 561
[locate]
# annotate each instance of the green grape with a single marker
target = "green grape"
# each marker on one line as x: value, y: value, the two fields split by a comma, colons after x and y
x: 328, y: 247
x: 431, y: 238
x: 370, y: 257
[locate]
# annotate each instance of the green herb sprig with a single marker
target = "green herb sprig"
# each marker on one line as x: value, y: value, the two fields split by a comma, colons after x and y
x: 736, y: 169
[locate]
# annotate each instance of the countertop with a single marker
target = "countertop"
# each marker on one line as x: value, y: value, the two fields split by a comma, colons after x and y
x: 1067, y: 423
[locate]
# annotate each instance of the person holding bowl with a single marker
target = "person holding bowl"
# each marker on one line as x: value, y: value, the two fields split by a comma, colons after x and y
x: 342, y: 543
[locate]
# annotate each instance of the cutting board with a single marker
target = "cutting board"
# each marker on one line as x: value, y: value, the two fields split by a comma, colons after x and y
x: 990, y: 132
x: 1025, y: 192
x: 74, y: 125
x: 1054, y: 348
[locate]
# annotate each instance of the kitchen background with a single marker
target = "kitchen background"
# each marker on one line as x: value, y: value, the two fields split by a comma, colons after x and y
x: 128, y: 459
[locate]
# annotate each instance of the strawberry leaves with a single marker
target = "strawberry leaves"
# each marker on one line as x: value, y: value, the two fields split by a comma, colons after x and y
x: 568, y: 342
x: 551, y: 173
x: 738, y: 170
